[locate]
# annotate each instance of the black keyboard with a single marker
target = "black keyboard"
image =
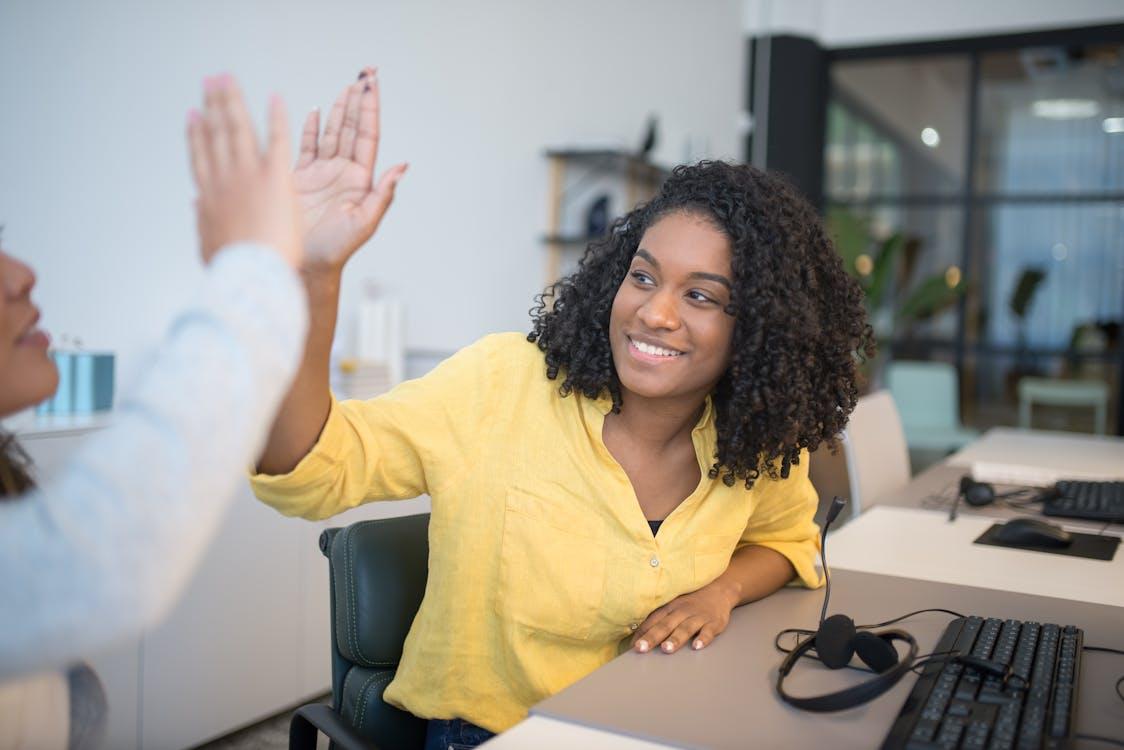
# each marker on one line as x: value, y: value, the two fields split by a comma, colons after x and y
x: 1095, y: 501
x: 957, y: 705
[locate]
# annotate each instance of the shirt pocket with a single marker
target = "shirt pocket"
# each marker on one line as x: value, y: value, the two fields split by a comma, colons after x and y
x: 712, y: 557
x: 552, y: 565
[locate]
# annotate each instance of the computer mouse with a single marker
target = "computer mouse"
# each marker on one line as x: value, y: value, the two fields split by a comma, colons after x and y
x: 1033, y: 532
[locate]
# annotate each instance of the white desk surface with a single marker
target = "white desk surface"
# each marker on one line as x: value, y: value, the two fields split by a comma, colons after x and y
x: 1091, y: 456
x: 923, y: 544
x: 544, y: 733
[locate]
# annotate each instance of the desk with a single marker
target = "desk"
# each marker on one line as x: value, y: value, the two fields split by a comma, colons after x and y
x: 723, y: 696
x: 924, y: 545
x: 1071, y: 455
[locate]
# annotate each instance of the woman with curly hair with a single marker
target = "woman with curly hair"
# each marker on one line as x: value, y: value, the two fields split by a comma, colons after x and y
x: 623, y: 476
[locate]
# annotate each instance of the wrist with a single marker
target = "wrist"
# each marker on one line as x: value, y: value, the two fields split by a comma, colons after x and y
x: 321, y: 279
x: 727, y: 587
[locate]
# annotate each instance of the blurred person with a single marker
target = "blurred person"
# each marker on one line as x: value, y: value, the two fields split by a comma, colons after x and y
x: 622, y: 476
x: 103, y: 547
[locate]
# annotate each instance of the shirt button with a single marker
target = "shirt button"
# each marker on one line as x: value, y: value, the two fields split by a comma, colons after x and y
x: 632, y: 626
x: 654, y: 562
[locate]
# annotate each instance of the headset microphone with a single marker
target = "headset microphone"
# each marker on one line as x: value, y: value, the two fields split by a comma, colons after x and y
x: 837, y: 640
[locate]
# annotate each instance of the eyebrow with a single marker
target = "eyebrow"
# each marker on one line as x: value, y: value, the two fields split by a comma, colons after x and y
x: 694, y: 274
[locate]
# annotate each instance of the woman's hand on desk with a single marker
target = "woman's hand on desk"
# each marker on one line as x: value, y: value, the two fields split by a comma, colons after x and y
x: 695, y: 618
x: 334, y: 173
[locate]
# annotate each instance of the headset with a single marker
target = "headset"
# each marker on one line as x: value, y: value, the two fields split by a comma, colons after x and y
x: 838, y: 640
x: 978, y: 494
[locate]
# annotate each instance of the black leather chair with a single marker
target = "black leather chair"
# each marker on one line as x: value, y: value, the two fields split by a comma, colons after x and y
x: 378, y: 573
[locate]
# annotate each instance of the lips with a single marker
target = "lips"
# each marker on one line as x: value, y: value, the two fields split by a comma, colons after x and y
x: 35, y: 338
x: 33, y: 335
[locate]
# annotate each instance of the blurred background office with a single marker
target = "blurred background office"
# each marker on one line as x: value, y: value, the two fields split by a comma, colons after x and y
x: 968, y: 157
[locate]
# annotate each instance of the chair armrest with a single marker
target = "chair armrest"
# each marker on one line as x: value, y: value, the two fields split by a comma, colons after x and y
x: 319, y: 716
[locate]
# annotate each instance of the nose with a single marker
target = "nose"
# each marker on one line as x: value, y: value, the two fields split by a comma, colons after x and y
x: 16, y: 277
x: 660, y: 311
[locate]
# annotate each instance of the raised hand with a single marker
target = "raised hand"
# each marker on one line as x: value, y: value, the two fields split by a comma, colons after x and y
x: 245, y: 195
x: 334, y: 172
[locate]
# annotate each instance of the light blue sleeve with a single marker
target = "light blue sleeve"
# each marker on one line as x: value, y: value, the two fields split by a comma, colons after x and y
x: 104, y: 548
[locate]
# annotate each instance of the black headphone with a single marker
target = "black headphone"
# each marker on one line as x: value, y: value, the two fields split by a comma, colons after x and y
x: 838, y: 640
x: 978, y: 494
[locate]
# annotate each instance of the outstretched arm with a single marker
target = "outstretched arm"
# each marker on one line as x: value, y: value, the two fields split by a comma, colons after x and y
x: 342, y: 208
x: 104, y: 548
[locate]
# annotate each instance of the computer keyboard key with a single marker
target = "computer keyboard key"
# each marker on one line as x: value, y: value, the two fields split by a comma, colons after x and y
x: 950, y: 732
x: 925, y: 729
x: 959, y: 708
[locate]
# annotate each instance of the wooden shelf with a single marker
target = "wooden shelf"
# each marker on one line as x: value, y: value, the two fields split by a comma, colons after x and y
x: 568, y: 239
x: 641, y: 179
x: 614, y: 162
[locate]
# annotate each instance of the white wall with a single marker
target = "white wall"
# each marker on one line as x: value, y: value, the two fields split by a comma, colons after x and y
x: 95, y: 189
x: 847, y: 23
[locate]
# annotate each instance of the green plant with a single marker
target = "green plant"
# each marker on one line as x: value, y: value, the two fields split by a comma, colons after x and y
x: 882, y: 266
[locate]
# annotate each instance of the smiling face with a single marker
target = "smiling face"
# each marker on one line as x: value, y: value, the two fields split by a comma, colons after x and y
x: 27, y: 374
x: 669, y: 330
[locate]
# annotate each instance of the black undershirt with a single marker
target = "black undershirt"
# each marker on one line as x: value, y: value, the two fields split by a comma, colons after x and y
x: 655, y: 526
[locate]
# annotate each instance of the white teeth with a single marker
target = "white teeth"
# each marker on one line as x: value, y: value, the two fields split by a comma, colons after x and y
x: 654, y: 350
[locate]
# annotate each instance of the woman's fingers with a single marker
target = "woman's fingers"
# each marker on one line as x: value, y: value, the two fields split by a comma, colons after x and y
x: 683, y: 633
x: 707, y: 633
x: 376, y: 203
x: 329, y: 144
x: 218, y: 139
x: 198, y: 149
x: 367, y: 138
x: 243, y: 140
x: 654, y: 629
x: 277, y: 151
x: 350, y: 128
x: 310, y: 135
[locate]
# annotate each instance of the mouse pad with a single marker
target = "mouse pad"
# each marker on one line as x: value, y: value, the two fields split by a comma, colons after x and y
x: 1091, y: 546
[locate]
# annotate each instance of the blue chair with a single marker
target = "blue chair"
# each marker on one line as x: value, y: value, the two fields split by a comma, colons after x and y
x: 928, y: 399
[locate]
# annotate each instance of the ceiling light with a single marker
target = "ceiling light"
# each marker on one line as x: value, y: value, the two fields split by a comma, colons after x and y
x: 1065, y: 109
x: 930, y: 137
x: 1113, y: 125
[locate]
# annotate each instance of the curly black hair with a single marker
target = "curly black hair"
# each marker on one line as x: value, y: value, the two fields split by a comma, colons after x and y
x: 800, y: 331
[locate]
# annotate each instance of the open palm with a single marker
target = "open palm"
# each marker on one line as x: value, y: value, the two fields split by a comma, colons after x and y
x: 333, y: 176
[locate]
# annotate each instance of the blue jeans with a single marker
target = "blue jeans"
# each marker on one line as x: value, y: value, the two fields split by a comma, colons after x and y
x: 454, y: 734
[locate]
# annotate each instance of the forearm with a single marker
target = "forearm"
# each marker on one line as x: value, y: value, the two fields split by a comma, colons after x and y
x: 305, y: 407
x: 754, y: 572
x: 103, y: 548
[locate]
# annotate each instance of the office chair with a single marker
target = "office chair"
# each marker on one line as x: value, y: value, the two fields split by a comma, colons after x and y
x: 928, y: 397
x: 875, y: 451
x: 378, y: 573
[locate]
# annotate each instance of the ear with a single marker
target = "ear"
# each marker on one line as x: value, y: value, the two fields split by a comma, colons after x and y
x: 834, y: 641
x: 876, y: 652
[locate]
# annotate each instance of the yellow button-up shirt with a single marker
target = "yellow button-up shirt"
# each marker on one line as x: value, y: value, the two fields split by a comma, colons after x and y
x: 541, y: 561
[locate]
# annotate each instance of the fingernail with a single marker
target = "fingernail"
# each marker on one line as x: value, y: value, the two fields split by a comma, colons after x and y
x: 668, y: 646
x: 697, y: 644
x: 642, y: 646
x: 193, y: 116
